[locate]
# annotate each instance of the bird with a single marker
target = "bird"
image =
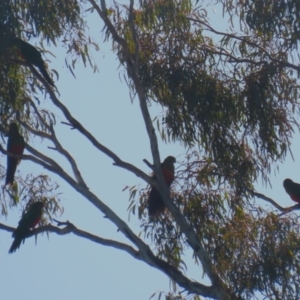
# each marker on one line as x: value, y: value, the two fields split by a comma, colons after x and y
x: 15, y: 145
x: 293, y: 189
x: 28, y: 221
x: 34, y: 57
x: 155, y: 204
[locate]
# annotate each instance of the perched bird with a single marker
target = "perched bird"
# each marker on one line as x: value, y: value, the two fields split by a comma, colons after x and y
x: 15, y: 145
x: 293, y: 189
x: 29, y: 220
x: 155, y: 203
x: 33, y: 56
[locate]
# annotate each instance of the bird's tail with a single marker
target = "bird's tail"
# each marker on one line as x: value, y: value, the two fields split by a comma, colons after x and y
x: 15, y: 245
x: 10, y: 171
x: 155, y: 205
x: 44, y: 72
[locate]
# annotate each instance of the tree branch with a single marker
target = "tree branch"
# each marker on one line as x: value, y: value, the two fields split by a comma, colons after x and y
x: 270, y: 200
x: 251, y: 43
x: 58, y: 147
x: 68, y: 156
x: 149, y: 258
x: 218, y: 290
x: 162, y: 188
x: 117, y: 161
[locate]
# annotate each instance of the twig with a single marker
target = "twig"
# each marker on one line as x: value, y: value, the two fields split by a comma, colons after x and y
x: 147, y: 163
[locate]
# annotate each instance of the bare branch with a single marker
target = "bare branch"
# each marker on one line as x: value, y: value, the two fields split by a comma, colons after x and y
x: 68, y: 156
x: 147, y: 257
x: 289, y: 209
x: 270, y: 200
x: 58, y: 146
x: 42, y: 157
x: 147, y: 163
x: 6, y: 228
x: 262, y: 196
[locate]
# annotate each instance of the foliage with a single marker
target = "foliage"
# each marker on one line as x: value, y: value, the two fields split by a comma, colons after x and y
x: 233, y: 96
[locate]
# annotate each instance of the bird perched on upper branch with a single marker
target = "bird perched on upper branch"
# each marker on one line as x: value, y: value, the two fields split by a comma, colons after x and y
x: 155, y: 203
x: 28, y: 221
x: 33, y: 56
x: 293, y: 189
x: 15, y: 145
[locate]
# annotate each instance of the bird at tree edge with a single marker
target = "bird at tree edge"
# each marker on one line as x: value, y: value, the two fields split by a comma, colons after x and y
x: 34, y: 57
x: 293, y: 189
x: 15, y: 145
x: 155, y: 203
x: 28, y: 221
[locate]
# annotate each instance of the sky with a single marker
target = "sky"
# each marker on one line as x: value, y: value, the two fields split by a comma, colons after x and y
x: 69, y: 267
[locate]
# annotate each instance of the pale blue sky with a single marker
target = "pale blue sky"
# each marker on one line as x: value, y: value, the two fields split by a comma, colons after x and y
x: 68, y: 267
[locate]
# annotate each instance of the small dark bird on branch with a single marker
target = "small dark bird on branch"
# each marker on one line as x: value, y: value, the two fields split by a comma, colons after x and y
x: 34, y: 57
x: 293, y: 189
x: 15, y: 145
x: 28, y: 221
x: 155, y: 203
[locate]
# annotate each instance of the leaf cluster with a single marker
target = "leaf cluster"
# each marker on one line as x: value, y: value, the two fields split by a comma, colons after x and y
x: 233, y: 101
x: 253, y: 250
x: 277, y: 20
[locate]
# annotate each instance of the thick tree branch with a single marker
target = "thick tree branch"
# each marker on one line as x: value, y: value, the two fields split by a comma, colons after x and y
x: 163, y: 190
x: 144, y: 249
x: 53, y: 167
x: 122, y: 226
x: 45, y: 159
x: 149, y: 258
